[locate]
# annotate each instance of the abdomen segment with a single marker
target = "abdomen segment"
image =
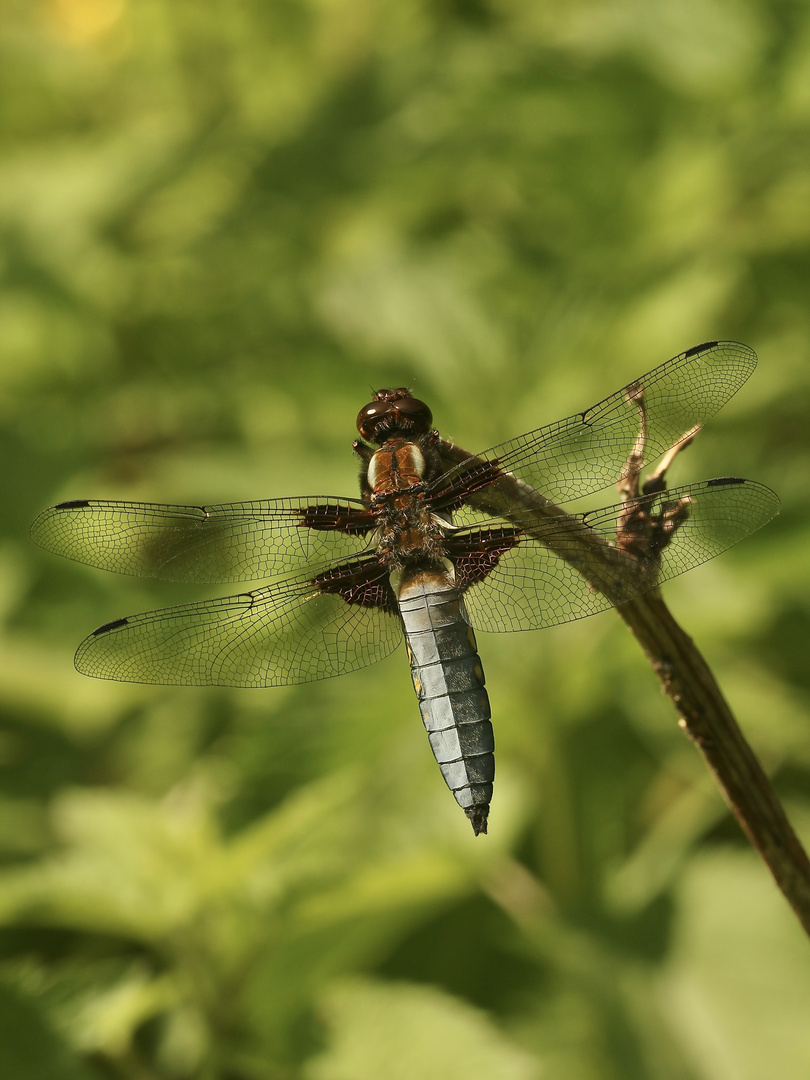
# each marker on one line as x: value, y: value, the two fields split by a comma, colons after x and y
x: 449, y: 683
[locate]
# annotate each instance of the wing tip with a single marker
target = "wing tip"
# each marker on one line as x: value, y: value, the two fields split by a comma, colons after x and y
x: 741, y: 350
x: 700, y: 348
x: 724, y: 481
x: 43, y: 524
x: 116, y: 624
x: 768, y: 495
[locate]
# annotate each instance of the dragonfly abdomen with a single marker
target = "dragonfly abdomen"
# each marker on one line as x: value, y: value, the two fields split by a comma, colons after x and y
x: 449, y: 683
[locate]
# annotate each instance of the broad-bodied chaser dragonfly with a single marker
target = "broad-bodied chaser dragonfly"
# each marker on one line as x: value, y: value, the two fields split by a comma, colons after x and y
x: 439, y: 543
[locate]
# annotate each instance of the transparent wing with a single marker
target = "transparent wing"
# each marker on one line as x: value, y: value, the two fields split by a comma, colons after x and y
x: 533, y: 587
x: 229, y: 542
x: 290, y: 632
x: 589, y: 451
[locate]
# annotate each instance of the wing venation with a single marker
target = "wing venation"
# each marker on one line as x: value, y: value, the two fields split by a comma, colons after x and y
x: 228, y: 542
x: 590, y: 450
x: 537, y: 582
x: 289, y: 632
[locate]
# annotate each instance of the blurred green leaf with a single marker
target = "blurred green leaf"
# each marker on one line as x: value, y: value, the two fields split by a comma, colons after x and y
x: 29, y: 1048
x: 403, y: 1031
x: 222, y: 226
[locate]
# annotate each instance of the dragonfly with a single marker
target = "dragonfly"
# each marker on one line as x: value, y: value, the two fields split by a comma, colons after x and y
x: 439, y: 544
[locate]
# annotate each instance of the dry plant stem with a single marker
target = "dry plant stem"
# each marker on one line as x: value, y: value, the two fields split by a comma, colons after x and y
x: 685, y: 678
x: 708, y: 721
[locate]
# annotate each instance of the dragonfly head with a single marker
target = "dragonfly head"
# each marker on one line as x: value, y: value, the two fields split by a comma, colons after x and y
x: 393, y: 412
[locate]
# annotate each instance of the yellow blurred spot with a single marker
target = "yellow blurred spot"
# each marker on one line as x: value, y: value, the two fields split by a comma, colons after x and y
x: 82, y: 21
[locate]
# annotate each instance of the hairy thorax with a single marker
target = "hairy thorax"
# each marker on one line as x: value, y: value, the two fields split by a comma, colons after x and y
x: 408, y: 528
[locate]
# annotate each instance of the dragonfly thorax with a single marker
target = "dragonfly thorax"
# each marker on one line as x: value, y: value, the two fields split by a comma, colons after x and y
x: 396, y: 466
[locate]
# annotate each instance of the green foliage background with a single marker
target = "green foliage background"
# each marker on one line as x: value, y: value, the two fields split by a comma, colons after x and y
x: 222, y: 225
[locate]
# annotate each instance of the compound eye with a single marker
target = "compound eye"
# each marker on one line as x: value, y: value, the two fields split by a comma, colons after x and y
x: 369, y: 416
x: 415, y: 411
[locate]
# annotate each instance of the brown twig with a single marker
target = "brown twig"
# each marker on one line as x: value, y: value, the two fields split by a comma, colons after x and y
x: 706, y: 718
x: 683, y: 673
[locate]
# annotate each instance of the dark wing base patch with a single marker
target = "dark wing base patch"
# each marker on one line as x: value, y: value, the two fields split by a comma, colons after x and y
x: 326, y: 516
x: 476, y: 554
x: 364, y: 583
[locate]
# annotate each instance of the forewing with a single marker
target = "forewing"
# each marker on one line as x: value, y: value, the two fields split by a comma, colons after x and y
x: 534, y: 585
x: 229, y: 542
x: 290, y: 632
x: 589, y: 451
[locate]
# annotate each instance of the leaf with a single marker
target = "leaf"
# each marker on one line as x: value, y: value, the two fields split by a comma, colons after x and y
x: 403, y: 1031
x: 29, y: 1048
